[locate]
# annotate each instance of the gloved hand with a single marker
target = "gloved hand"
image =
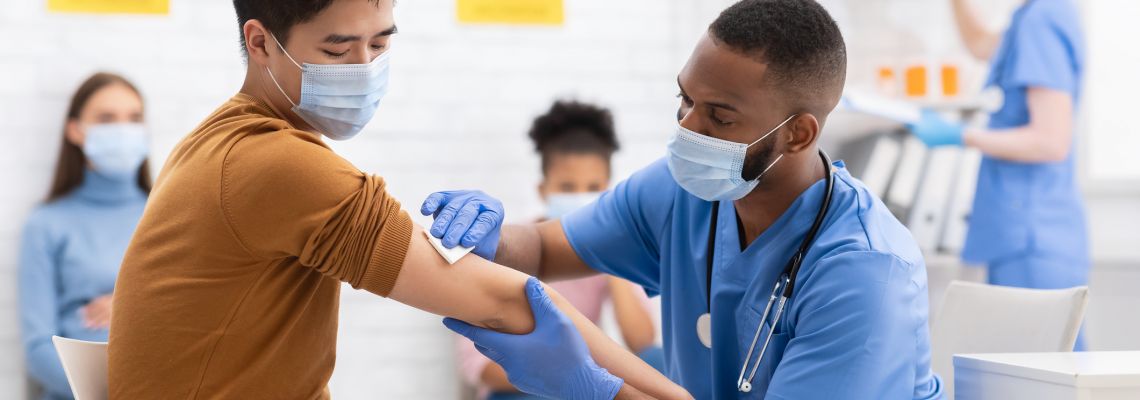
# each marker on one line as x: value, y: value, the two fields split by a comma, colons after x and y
x: 551, y: 361
x: 467, y: 218
x: 936, y: 131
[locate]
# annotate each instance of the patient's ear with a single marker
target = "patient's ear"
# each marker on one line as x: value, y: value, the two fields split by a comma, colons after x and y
x: 257, y: 39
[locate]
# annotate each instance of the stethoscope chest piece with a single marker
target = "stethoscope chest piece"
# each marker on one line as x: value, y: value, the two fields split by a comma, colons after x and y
x: 704, y: 329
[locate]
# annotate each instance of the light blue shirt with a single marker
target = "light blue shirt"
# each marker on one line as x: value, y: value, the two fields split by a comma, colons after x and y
x: 70, y: 254
x: 856, y: 327
x: 1035, y: 207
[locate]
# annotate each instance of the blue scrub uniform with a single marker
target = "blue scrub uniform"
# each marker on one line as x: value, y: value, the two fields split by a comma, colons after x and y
x: 1028, y: 222
x: 856, y: 327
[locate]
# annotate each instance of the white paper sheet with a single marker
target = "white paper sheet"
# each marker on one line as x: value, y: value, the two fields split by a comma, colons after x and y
x: 895, y: 110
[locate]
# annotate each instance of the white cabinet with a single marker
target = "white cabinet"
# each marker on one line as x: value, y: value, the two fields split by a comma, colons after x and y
x: 1048, y: 376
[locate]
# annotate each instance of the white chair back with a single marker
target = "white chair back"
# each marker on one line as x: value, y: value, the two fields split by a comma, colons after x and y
x: 85, y: 364
x: 979, y: 318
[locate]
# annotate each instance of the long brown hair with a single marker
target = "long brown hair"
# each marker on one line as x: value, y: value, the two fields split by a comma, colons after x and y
x: 72, y: 162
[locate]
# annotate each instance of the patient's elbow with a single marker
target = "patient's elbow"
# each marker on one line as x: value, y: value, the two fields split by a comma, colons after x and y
x: 512, y: 315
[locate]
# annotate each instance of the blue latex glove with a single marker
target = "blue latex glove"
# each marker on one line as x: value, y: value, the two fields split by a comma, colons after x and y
x: 467, y: 218
x: 551, y: 361
x: 936, y: 131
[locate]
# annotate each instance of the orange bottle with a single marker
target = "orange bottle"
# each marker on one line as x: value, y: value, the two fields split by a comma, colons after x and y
x: 915, y: 78
x: 950, y: 87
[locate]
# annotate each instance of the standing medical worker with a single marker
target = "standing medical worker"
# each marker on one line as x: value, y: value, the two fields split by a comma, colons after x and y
x: 231, y: 285
x: 1028, y: 223
x: 715, y: 225
x: 73, y: 243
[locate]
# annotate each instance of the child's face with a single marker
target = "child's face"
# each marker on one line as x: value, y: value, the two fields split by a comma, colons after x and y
x: 575, y: 173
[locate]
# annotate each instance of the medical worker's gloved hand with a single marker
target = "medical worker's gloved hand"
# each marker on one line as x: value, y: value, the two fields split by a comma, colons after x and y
x: 936, y: 131
x: 467, y: 218
x: 551, y: 361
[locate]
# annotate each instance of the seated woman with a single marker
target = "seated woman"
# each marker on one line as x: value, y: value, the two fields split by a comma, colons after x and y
x: 576, y: 142
x: 74, y: 242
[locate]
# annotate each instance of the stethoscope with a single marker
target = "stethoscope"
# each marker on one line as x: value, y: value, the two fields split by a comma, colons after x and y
x: 781, y: 291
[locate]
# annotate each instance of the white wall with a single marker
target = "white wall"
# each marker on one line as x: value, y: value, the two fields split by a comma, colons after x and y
x: 1111, y: 95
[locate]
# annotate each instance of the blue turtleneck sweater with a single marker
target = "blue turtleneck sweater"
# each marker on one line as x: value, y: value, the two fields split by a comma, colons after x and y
x: 70, y: 254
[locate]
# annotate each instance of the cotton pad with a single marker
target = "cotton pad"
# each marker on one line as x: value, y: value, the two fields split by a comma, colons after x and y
x: 451, y: 255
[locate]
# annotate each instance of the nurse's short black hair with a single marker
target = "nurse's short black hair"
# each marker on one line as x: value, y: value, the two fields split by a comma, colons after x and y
x: 278, y: 15
x: 797, y: 39
x: 571, y: 127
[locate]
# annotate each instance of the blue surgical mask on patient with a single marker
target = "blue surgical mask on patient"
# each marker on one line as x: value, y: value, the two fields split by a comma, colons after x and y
x: 713, y: 169
x: 339, y: 99
x: 116, y: 150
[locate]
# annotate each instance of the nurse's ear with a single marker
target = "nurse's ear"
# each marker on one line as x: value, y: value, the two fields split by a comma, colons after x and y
x: 257, y: 39
x: 803, y: 132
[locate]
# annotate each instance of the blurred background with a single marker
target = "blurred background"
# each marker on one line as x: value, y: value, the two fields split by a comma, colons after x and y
x: 463, y: 95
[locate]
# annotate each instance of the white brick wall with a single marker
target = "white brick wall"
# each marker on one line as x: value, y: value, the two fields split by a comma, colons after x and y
x: 461, y: 101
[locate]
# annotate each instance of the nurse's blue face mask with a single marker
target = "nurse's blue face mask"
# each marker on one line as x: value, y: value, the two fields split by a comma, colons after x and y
x: 713, y: 169
x: 338, y: 99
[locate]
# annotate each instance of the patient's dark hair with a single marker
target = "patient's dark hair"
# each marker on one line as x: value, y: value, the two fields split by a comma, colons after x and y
x: 570, y: 127
x: 797, y: 39
x: 278, y: 15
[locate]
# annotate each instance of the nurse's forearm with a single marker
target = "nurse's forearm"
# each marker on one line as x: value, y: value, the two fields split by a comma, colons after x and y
x: 629, y: 393
x: 520, y: 247
x: 541, y: 250
x: 617, y: 360
x: 1018, y: 145
x: 1047, y: 138
x: 980, y: 41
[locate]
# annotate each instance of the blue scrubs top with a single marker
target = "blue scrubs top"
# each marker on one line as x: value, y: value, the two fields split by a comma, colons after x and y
x: 856, y: 326
x: 1023, y: 208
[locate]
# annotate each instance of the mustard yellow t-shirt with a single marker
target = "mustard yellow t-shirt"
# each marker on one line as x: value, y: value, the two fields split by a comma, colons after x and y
x: 230, y: 286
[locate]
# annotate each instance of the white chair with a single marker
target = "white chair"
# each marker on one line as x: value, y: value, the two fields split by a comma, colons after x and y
x: 979, y: 318
x: 85, y: 364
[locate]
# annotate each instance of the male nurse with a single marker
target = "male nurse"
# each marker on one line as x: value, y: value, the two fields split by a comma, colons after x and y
x: 755, y: 95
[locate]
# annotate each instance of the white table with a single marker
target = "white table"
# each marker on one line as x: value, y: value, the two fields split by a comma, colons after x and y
x: 1111, y: 375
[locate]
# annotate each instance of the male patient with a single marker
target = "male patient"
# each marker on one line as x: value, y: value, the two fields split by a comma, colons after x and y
x: 230, y: 286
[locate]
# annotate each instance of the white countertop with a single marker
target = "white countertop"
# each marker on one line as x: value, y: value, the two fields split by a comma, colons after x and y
x: 1084, y: 369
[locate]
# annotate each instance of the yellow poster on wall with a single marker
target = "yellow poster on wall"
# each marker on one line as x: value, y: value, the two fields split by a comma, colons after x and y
x: 110, y: 6
x: 511, y: 12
